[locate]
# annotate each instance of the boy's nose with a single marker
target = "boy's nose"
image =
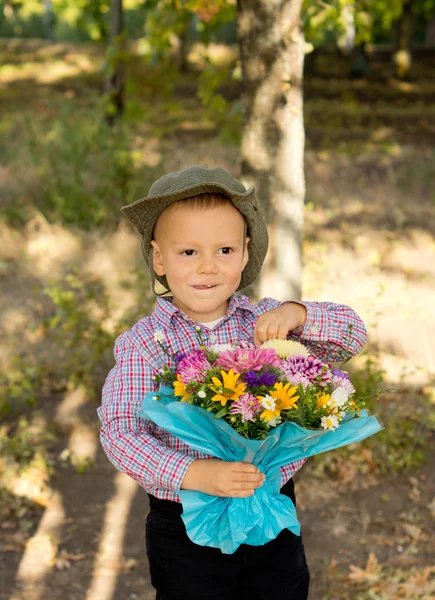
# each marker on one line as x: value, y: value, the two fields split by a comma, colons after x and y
x: 207, y: 265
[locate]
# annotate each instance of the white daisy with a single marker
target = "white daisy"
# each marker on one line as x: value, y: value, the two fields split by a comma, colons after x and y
x: 274, y: 422
x: 268, y: 402
x: 219, y: 348
x: 340, y: 396
x: 202, y: 394
x: 159, y: 336
x: 329, y: 422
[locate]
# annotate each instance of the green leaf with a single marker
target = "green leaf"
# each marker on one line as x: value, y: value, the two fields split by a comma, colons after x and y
x: 222, y: 413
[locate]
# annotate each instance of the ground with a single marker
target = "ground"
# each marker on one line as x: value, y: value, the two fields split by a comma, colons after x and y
x: 71, y: 526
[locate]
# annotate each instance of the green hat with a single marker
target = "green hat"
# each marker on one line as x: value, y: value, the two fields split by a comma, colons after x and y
x: 190, y: 182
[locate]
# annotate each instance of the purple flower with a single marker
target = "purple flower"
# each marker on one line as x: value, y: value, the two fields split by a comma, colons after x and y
x: 247, y: 406
x: 309, y: 367
x: 193, y: 367
x: 341, y: 374
x: 253, y: 379
x: 179, y: 356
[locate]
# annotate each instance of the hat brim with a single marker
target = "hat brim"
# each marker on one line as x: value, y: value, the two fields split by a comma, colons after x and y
x: 144, y: 213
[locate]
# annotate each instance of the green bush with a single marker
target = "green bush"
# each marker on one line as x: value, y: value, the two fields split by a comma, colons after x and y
x: 75, y: 169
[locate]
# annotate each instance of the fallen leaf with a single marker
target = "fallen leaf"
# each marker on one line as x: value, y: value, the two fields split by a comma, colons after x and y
x: 370, y: 574
x: 412, y: 530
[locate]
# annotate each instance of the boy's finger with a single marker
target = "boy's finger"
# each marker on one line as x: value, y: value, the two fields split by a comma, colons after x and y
x: 243, y: 467
x: 246, y: 485
x: 272, y: 331
x: 261, y: 333
x: 282, y: 332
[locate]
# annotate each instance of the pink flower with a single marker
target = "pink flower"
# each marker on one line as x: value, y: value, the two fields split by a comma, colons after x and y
x: 247, y: 406
x: 299, y: 378
x: 310, y: 367
x: 344, y: 383
x: 251, y: 358
x: 193, y: 367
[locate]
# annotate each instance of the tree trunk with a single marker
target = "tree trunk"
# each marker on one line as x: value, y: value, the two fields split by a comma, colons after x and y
x: 47, y: 19
x: 346, y: 41
x: 429, y: 35
x: 272, y: 51
x: 184, y: 48
x: 402, y: 47
x: 115, y: 80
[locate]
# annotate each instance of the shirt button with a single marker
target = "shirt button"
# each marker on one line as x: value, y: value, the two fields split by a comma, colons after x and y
x: 315, y: 329
x: 213, y: 338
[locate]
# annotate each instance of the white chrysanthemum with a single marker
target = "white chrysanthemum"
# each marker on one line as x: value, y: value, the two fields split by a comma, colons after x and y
x: 159, y: 336
x: 202, y: 394
x: 219, y: 348
x: 339, y: 397
x: 268, y: 402
x: 274, y: 422
x: 285, y: 348
x: 329, y: 422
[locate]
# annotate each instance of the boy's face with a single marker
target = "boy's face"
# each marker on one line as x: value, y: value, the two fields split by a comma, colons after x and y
x: 202, y: 252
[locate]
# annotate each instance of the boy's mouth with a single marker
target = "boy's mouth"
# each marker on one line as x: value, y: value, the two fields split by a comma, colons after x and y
x: 204, y: 287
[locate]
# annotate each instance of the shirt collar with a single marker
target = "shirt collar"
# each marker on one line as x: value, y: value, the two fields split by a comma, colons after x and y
x: 165, y: 310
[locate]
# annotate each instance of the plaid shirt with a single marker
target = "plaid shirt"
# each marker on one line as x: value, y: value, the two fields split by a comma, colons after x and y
x: 156, y: 459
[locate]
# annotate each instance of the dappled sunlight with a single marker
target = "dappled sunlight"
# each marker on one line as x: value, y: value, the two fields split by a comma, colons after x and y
x: 83, y: 436
x: 13, y: 318
x: 220, y: 55
x: 50, y: 247
x: 41, y: 550
x: 110, y: 552
x: 11, y: 247
x: 43, y: 73
x: 67, y: 413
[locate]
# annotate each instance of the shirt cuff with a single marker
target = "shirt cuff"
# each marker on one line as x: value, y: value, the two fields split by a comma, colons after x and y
x: 315, y: 324
x: 172, y: 469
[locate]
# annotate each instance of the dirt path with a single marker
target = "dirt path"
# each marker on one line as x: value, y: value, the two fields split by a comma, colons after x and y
x: 100, y: 552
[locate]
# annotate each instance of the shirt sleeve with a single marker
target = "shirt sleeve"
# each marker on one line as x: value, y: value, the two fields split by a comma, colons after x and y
x: 288, y: 470
x: 332, y: 332
x: 124, y: 436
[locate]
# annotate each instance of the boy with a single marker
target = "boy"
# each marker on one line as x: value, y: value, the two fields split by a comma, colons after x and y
x: 203, y: 238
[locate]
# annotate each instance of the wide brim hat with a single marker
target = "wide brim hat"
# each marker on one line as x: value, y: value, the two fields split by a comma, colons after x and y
x: 180, y: 185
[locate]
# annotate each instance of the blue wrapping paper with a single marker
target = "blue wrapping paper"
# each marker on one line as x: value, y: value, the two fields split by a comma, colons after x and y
x: 226, y: 523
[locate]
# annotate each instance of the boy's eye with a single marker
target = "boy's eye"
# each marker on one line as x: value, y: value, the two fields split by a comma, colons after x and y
x: 226, y: 250
x: 188, y: 252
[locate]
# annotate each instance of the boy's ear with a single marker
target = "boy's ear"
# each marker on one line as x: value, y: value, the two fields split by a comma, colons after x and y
x: 158, y: 265
x: 246, y: 253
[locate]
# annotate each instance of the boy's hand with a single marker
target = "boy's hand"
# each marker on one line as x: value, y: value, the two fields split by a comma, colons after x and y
x: 276, y: 323
x: 220, y: 478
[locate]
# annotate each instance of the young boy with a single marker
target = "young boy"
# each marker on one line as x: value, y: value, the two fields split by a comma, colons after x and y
x: 203, y: 238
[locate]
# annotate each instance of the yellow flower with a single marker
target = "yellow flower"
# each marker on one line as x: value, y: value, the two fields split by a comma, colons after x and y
x: 285, y: 348
x: 283, y: 397
x: 228, y: 388
x: 180, y: 390
x: 322, y: 400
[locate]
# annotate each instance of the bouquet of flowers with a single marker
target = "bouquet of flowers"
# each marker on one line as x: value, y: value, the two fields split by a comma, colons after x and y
x: 269, y: 405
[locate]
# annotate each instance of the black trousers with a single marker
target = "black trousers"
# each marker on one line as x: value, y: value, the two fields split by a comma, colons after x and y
x: 182, y: 570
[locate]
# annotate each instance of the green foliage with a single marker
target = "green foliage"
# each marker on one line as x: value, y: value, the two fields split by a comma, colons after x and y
x: 22, y: 442
x: 82, y: 327
x: 77, y: 329
x: 226, y: 115
x: 84, y: 169
x: 19, y: 383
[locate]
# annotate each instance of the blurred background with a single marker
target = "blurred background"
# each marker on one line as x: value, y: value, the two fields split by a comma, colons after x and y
x: 97, y: 100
